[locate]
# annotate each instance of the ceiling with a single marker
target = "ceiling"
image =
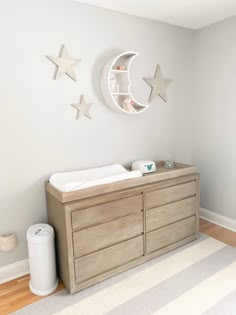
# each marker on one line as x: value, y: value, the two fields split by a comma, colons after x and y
x: 193, y: 14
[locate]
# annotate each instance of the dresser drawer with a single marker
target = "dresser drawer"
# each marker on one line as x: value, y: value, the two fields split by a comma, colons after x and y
x: 170, y: 234
x: 103, y: 235
x: 172, y: 212
x: 106, y: 259
x: 106, y: 212
x: 160, y: 197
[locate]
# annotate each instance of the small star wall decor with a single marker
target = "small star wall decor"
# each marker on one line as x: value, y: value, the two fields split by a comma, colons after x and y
x: 158, y: 85
x: 83, y: 108
x: 65, y: 64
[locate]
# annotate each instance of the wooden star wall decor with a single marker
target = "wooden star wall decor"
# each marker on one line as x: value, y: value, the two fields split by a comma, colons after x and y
x: 158, y: 85
x: 83, y: 108
x: 65, y: 64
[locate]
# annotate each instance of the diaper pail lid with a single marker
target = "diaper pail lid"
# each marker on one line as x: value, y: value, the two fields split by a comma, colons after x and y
x: 40, y: 233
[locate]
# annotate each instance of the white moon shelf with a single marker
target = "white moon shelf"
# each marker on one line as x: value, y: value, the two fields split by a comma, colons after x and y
x: 116, y: 84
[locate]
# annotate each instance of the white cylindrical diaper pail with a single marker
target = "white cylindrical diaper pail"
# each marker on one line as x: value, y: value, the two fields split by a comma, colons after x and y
x: 42, y: 263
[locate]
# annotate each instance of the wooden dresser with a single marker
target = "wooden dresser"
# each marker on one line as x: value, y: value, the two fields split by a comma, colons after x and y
x: 104, y: 230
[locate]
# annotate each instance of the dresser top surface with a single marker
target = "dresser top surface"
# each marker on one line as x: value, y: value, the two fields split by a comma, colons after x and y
x: 159, y: 175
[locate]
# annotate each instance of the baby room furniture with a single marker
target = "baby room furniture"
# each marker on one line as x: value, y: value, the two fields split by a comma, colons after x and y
x: 116, y: 83
x: 104, y: 230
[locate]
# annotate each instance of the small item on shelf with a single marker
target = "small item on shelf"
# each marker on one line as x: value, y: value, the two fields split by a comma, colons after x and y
x: 128, y: 105
x: 117, y: 88
x: 113, y: 83
x: 169, y: 162
x: 144, y: 166
x: 121, y: 67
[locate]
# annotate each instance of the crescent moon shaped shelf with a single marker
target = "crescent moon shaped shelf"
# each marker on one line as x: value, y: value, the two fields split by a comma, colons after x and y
x: 113, y: 95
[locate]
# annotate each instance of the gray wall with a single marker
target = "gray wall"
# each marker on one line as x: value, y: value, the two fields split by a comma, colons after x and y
x: 38, y: 131
x: 215, y: 116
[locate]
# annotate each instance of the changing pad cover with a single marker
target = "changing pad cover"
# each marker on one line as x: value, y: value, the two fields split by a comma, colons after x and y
x: 76, y: 180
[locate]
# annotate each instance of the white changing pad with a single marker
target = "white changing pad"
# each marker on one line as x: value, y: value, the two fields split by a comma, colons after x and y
x: 71, y: 181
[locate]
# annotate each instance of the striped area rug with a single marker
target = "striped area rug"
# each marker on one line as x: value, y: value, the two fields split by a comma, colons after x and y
x: 198, y: 278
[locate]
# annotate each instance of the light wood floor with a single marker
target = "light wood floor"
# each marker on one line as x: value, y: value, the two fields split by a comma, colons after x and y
x: 16, y: 294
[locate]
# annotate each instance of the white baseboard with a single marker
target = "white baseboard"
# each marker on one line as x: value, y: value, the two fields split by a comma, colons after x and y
x: 218, y: 219
x: 14, y: 271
